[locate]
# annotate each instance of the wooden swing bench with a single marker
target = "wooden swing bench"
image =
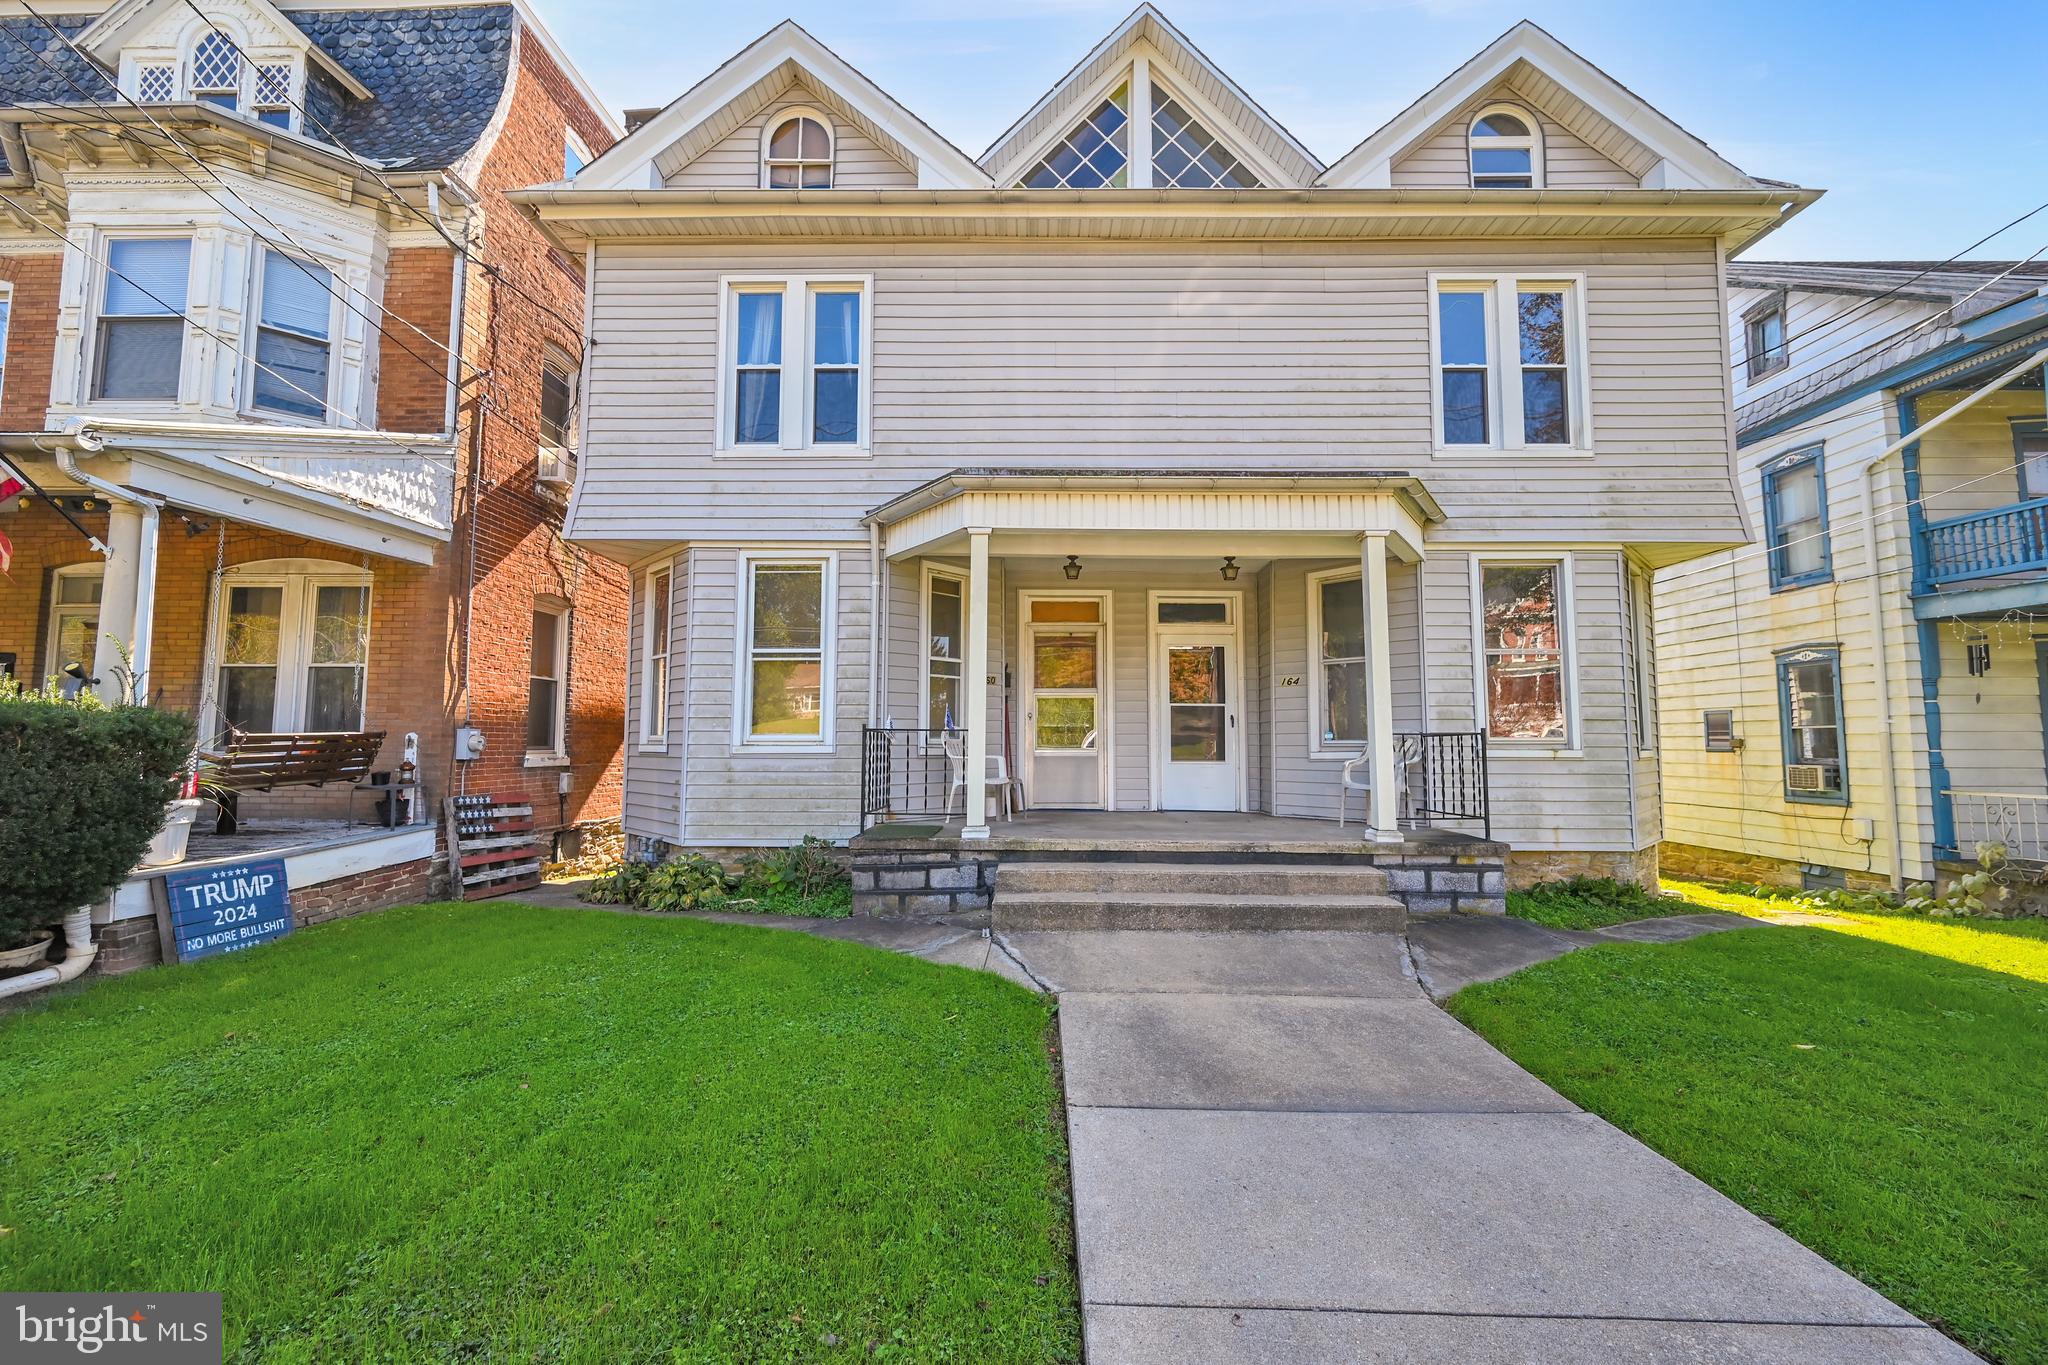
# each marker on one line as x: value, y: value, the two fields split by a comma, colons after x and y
x: 261, y: 763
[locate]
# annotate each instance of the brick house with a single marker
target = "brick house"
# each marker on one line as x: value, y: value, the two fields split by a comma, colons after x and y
x: 300, y: 388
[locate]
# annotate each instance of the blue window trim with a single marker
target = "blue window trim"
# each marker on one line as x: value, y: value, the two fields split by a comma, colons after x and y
x: 1807, y: 654
x: 1774, y: 469
x: 2022, y: 428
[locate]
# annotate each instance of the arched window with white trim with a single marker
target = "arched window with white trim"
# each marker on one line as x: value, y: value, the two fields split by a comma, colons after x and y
x: 216, y: 71
x: 1506, y: 149
x: 796, y: 151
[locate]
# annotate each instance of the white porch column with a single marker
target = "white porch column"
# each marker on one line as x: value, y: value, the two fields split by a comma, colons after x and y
x: 120, y: 608
x: 975, y: 817
x: 1379, y: 710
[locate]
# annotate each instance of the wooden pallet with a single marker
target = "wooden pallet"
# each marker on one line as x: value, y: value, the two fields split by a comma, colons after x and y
x: 491, y: 848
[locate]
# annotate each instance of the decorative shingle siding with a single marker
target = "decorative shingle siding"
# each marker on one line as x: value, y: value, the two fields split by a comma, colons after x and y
x: 437, y: 75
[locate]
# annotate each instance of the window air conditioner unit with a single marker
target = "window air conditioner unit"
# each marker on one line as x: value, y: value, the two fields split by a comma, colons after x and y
x: 556, y: 466
x: 1806, y: 777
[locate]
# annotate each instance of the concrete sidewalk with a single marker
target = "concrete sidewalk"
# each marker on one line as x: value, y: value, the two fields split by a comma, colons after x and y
x: 1282, y: 1151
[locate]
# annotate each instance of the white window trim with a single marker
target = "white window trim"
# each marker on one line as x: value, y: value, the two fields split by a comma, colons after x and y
x: 58, y: 610
x: 743, y: 657
x: 771, y: 125
x: 558, y: 756
x: 924, y: 636
x: 572, y: 143
x: 1572, y: 745
x: 6, y: 330
x: 1503, y: 355
x: 795, y: 420
x: 1317, y: 746
x: 301, y: 580
x: 558, y: 463
x: 103, y: 276
x: 253, y: 342
x: 1642, y: 627
x: 1534, y: 142
x: 653, y: 706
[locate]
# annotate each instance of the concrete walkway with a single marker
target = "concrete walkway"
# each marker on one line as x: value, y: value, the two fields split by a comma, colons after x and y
x: 1282, y: 1151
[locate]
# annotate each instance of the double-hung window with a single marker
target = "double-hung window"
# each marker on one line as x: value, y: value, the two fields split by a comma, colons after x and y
x: 1524, y: 633
x: 1796, y: 519
x: 293, y: 346
x: 785, y: 676
x: 654, y: 678
x: 547, y: 691
x: 141, y: 340
x: 793, y: 372
x: 1509, y: 361
x: 944, y: 649
x: 1337, y: 606
x: 2029, y: 449
x: 1764, y: 340
x: 1810, y: 714
x: 294, y: 650
x: 273, y: 102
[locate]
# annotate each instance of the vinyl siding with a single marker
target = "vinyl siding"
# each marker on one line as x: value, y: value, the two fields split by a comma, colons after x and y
x: 1969, y: 464
x: 653, y: 777
x: 1440, y: 161
x: 734, y: 162
x: 1991, y: 732
x: 1254, y: 356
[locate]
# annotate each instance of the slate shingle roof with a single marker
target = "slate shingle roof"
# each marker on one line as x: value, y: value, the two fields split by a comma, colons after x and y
x: 436, y: 74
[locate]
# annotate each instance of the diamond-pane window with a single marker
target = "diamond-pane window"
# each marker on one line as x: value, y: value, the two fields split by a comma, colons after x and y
x: 1187, y: 156
x: 273, y: 85
x: 1096, y: 155
x: 156, y: 84
x: 216, y: 66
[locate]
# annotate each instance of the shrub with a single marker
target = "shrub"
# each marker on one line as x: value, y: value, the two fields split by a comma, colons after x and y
x: 83, y: 787
x: 1588, y: 903
x: 688, y: 881
x: 803, y: 870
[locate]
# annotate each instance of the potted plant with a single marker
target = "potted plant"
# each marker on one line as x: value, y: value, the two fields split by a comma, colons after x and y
x: 85, y: 785
x: 169, y: 844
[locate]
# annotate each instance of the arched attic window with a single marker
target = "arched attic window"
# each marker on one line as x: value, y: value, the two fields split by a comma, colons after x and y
x: 1506, y: 146
x: 796, y: 153
x: 216, y: 71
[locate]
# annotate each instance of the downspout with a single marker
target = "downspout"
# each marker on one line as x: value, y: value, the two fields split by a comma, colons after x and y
x: 79, y: 952
x: 1867, y: 475
x: 145, y: 564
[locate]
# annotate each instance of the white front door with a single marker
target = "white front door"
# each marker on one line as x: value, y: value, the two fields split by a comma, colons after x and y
x: 1195, y: 719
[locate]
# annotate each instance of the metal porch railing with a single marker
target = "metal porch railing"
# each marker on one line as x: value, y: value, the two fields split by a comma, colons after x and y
x: 1447, y: 777
x: 2019, y: 820
x: 903, y: 773
x: 2005, y: 540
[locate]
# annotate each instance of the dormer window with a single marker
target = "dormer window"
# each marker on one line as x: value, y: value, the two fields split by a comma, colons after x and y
x: 156, y: 82
x: 798, y: 155
x: 273, y: 102
x: 217, y: 72
x: 1506, y: 151
x: 1143, y: 134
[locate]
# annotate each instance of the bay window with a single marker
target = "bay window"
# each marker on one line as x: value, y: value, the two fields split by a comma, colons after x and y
x: 293, y: 328
x: 785, y: 666
x: 1509, y: 360
x: 1523, y: 610
x: 141, y: 335
x: 1337, y: 610
x: 793, y: 367
x: 294, y: 649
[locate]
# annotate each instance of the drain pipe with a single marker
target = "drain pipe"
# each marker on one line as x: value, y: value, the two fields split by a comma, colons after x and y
x: 144, y: 620
x: 79, y: 952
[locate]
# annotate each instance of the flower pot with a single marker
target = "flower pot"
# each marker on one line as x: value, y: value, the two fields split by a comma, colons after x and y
x: 30, y: 955
x: 169, y: 844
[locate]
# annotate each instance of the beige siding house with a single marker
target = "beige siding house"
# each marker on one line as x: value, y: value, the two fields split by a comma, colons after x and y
x: 1859, y: 697
x: 1146, y: 463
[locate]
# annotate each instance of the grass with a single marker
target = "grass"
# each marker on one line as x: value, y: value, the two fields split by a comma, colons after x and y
x: 507, y: 1132
x: 1590, y: 903
x: 1875, y: 1094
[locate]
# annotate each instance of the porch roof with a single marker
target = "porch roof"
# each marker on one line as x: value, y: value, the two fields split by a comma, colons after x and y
x: 1141, y: 511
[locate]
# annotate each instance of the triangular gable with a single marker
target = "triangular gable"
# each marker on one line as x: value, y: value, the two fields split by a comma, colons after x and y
x: 1597, y: 109
x: 1213, y: 98
x: 127, y: 23
x: 1440, y: 158
x: 739, y: 90
x: 784, y: 85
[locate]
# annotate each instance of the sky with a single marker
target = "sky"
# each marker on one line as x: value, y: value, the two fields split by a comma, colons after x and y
x: 1917, y: 119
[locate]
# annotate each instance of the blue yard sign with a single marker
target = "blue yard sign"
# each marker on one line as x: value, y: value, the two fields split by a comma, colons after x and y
x: 222, y: 909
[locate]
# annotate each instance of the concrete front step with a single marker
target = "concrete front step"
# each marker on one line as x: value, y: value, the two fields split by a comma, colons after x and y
x: 1258, y: 879
x: 1192, y: 910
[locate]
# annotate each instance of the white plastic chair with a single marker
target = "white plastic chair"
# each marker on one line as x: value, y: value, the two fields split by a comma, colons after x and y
x: 998, y: 777
x: 1348, y: 782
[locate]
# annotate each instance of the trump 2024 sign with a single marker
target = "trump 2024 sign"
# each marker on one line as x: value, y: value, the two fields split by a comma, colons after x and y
x: 225, y: 909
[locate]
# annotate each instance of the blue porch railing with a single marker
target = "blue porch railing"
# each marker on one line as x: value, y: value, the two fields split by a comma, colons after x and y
x: 2005, y: 540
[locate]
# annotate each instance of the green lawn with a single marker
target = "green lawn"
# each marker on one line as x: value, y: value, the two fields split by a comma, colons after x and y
x: 1591, y: 903
x: 511, y: 1133
x: 1878, y: 1097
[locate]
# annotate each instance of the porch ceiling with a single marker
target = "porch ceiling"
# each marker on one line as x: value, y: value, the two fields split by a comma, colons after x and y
x: 1139, y: 513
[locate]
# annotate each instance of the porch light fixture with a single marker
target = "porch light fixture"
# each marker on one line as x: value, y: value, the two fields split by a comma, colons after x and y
x: 1229, y: 569
x: 1072, y: 568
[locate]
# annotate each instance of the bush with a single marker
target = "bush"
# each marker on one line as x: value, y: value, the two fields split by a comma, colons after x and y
x: 1590, y: 903
x: 689, y: 881
x: 803, y: 879
x: 83, y: 789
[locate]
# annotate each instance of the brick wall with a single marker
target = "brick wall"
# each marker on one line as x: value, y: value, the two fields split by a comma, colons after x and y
x: 31, y: 338
x: 412, y: 383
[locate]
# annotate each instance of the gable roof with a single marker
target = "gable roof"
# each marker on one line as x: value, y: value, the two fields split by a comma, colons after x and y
x: 106, y: 35
x: 1187, y: 65
x: 1987, y: 285
x: 749, y: 80
x: 1600, y: 110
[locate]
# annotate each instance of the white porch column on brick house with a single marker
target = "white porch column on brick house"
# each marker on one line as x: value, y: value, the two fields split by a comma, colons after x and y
x: 1379, y: 708
x: 124, y: 614
x: 974, y: 818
